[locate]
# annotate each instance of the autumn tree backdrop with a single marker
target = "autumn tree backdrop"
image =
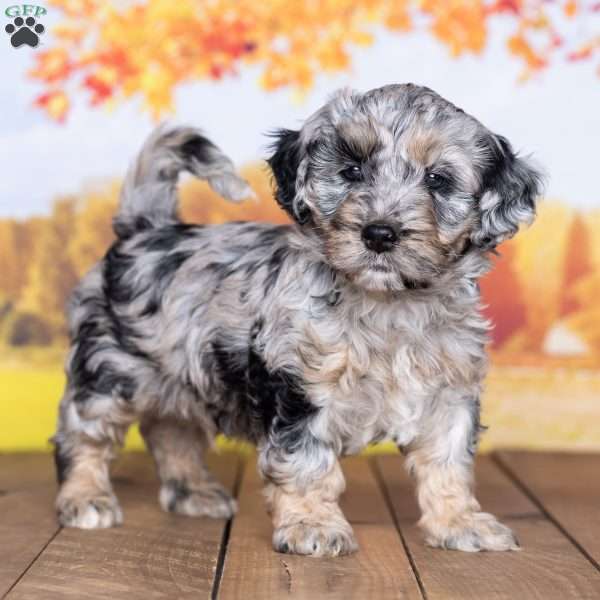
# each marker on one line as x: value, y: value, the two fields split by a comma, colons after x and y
x: 544, y: 385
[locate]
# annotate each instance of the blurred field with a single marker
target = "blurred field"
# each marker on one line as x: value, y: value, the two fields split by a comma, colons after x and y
x: 29, y: 398
x: 525, y: 407
x: 31, y: 385
x: 548, y: 407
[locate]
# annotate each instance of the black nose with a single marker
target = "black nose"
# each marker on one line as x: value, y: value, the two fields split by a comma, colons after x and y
x: 379, y: 237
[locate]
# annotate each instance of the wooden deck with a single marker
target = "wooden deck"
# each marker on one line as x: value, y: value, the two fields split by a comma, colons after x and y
x: 551, y: 500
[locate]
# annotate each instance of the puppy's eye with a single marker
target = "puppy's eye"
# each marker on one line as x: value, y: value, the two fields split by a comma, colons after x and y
x: 353, y: 173
x: 436, y: 181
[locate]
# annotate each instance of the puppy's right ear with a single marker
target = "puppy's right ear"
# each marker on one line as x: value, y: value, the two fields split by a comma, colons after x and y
x: 284, y: 162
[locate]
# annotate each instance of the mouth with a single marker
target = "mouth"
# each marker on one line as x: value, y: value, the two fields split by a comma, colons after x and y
x: 386, y: 275
x: 378, y: 263
x: 382, y: 272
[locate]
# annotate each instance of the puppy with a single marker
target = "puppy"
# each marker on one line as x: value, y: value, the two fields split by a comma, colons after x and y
x: 357, y: 323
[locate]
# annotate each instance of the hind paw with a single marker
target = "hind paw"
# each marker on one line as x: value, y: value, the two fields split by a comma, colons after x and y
x: 211, y: 500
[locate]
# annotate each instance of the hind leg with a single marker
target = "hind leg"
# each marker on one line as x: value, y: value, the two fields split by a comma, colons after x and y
x: 187, y: 487
x: 83, y: 451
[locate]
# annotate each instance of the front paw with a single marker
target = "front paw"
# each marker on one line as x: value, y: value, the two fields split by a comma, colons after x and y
x: 98, y: 512
x: 315, y: 539
x: 470, y: 532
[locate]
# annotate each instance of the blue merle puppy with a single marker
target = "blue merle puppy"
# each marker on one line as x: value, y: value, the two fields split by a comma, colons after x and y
x: 358, y: 322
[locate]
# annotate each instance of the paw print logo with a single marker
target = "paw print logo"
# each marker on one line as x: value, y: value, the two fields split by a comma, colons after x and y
x: 24, y: 31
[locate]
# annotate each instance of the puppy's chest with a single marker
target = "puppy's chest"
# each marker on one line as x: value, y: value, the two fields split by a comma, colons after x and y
x: 395, y: 349
x: 374, y: 372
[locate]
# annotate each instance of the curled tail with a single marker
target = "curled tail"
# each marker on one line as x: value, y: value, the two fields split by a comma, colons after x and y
x: 149, y: 193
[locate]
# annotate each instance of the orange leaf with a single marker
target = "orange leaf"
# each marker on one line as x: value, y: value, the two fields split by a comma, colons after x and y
x: 52, y: 65
x: 570, y: 8
x: 55, y: 103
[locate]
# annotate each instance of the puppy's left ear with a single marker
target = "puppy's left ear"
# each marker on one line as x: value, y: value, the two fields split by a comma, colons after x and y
x: 284, y: 162
x: 510, y: 189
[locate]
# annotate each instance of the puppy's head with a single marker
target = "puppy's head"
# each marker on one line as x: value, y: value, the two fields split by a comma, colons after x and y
x: 399, y: 184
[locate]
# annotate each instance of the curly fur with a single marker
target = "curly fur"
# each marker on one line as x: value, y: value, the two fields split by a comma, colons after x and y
x: 300, y: 338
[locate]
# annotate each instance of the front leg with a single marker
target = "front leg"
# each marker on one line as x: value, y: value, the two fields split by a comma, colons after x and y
x: 441, y: 460
x: 302, y: 491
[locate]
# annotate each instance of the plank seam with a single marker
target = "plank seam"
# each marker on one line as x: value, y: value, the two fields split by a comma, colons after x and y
x: 518, y: 516
x: 227, y: 530
x: 529, y: 493
x: 530, y: 516
x: 388, y: 501
x: 50, y: 540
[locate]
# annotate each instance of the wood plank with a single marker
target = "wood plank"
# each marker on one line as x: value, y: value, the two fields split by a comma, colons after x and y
x: 27, y: 524
x: 24, y: 471
x: 548, y: 566
x: 380, y: 569
x: 568, y: 488
x: 153, y: 555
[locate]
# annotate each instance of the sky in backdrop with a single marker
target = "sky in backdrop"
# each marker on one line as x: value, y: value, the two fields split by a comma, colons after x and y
x: 555, y: 117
